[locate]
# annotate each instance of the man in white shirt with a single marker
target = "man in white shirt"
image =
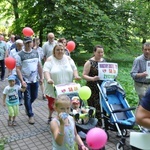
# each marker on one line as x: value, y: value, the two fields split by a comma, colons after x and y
x: 28, y: 68
x: 49, y: 45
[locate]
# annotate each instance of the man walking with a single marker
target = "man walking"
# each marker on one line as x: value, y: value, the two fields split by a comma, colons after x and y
x: 49, y: 45
x: 28, y: 67
x: 138, y: 72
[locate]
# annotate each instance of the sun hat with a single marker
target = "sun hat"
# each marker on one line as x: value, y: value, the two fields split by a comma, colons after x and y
x: 12, y: 77
x: 27, y: 39
x: 75, y: 100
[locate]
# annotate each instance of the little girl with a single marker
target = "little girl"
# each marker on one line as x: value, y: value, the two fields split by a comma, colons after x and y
x: 77, y: 111
x: 76, y: 105
x: 11, y: 99
x: 63, y: 128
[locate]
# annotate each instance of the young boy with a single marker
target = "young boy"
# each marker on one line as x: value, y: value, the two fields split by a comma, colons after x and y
x: 11, y: 99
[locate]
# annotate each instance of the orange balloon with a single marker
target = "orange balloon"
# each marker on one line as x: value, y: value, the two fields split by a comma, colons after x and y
x: 71, y: 46
x: 27, y: 31
x: 10, y: 63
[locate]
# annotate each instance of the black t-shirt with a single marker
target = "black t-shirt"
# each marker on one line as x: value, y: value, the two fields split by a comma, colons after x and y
x: 145, y: 101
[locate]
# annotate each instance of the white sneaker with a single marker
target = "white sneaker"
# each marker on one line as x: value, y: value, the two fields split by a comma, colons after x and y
x: 31, y: 120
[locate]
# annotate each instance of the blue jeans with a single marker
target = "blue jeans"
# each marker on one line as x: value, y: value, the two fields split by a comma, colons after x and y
x: 30, y: 94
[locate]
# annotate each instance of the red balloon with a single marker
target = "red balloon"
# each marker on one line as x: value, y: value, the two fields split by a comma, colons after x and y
x: 27, y: 31
x: 71, y: 46
x: 10, y: 63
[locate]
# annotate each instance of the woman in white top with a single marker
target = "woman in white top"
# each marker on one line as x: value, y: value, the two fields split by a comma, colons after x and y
x: 58, y: 69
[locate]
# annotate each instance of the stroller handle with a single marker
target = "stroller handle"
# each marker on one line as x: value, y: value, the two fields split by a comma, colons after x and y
x: 123, y: 110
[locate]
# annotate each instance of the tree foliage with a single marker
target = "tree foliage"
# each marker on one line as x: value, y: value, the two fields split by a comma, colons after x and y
x: 115, y: 24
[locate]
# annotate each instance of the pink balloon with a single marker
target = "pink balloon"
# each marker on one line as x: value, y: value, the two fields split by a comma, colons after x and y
x: 96, y: 138
x: 71, y: 46
x: 27, y: 31
x: 10, y: 63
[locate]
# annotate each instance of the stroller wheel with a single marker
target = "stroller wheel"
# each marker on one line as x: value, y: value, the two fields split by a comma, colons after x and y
x: 119, y: 146
x: 125, y: 133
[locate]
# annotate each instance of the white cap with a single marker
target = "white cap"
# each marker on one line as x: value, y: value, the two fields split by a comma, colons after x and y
x: 19, y: 41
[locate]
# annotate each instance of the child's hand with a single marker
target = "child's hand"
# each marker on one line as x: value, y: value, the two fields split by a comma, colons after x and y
x: 62, y: 117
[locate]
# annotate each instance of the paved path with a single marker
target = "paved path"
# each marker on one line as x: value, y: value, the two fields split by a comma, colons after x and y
x: 34, y: 137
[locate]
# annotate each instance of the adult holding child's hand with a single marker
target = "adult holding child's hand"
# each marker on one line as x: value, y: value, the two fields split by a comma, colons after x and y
x: 58, y: 69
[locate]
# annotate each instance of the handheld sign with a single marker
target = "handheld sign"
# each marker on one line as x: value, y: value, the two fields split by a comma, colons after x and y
x: 107, y: 71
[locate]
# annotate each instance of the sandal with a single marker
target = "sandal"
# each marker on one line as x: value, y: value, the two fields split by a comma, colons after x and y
x: 9, y: 123
x: 14, y: 123
x: 49, y: 120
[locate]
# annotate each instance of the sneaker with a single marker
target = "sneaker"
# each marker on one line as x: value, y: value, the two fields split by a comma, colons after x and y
x: 14, y: 123
x: 31, y: 120
x: 9, y: 123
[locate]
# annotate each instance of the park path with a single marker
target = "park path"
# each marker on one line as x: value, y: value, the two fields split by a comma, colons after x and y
x: 35, y: 137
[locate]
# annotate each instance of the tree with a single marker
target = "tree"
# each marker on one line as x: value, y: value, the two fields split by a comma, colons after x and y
x: 115, y: 24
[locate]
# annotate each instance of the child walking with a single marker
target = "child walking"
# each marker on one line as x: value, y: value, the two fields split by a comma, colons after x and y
x: 64, y: 134
x: 11, y: 99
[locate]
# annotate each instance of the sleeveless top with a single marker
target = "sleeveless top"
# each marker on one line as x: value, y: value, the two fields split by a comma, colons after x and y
x: 94, y: 99
x: 69, y: 138
x: 94, y: 72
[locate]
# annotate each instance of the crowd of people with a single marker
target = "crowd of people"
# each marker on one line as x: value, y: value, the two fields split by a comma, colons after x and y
x: 51, y: 65
x: 36, y: 66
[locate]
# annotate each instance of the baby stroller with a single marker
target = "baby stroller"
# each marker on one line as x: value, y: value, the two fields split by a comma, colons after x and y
x: 82, y: 126
x: 116, y: 112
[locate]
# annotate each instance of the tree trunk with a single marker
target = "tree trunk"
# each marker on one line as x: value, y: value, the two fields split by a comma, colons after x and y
x: 15, y: 8
x: 143, y: 41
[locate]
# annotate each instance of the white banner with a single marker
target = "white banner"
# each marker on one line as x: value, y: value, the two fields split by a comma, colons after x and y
x: 107, y: 71
x: 67, y: 88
